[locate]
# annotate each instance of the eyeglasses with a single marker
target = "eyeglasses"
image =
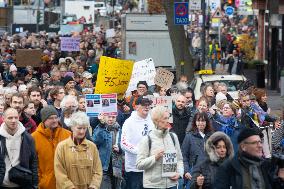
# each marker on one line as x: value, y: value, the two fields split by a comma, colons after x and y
x: 258, y: 142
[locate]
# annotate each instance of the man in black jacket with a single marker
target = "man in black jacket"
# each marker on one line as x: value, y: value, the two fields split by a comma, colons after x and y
x: 16, y: 149
x: 247, y: 169
x: 181, y: 115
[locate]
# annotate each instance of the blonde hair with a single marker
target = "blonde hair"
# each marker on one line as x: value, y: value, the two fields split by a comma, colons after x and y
x: 157, y: 113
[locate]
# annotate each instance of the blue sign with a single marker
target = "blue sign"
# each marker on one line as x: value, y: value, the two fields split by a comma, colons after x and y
x: 229, y: 10
x: 181, y: 13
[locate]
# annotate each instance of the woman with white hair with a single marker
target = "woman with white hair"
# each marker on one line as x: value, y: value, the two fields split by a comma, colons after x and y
x: 159, y: 154
x: 77, y: 163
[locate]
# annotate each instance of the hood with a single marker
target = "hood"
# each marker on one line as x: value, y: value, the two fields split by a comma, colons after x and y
x: 46, y: 131
x: 210, y: 148
x: 136, y: 117
x: 5, y: 134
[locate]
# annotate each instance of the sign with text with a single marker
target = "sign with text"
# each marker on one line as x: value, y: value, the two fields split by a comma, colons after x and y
x: 70, y: 44
x: 68, y: 29
x: 110, y: 33
x: 169, y: 166
x: 195, y: 5
x: 181, y: 13
x: 28, y: 57
x: 101, y: 103
x: 143, y: 70
x: 164, y: 78
x: 166, y: 101
x: 113, y: 76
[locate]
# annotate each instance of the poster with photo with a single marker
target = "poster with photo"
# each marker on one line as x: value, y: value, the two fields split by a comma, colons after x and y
x: 101, y: 103
x: 169, y: 166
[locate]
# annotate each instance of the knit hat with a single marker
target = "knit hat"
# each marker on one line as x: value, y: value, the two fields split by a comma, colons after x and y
x: 66, y: 79
x: 13, y: 68
x: 248, y: 132
x: 46, y: 112
x: 220, y: 96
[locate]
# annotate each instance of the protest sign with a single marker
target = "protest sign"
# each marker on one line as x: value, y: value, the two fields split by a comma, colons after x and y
x: 101, y: 103
x: 169, y: 166
x: 164, y: 78
x: 113, y: 76
x: 143, y: 70
x: 165, y: 101
x: 28, y: 57
x: 70, y: 44
x: 110, y: 33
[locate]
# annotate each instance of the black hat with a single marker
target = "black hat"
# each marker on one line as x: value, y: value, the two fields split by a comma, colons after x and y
x: 247, y: 132
x: 142, y: 83
x: 143, y: 101
x: 66, y: 79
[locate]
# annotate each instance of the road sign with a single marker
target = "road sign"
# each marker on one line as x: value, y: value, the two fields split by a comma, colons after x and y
x: 229, y: 10
x: 218, y: 13
x: 181, y: 13
x: 195, y: 5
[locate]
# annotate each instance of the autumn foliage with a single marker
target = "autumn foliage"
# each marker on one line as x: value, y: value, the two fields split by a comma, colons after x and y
x: 155, y: 6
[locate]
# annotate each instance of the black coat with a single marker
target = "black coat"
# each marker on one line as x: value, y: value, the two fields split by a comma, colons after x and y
x: 240, y: 64
x: 28, y: 158
x: 180, y: 123
x: 229, y: 175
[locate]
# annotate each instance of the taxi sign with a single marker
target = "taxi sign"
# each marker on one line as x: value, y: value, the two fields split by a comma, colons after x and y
x: 205, y: 72
x: 181, y: 13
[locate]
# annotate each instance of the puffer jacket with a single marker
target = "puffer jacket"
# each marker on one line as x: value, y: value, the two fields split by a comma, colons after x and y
x: 152, y: 175
x: 46, y: 143
x: 193, y: 149
x: 209, y: 166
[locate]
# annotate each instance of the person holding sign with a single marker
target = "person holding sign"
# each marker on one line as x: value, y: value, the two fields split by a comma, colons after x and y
x: 159, y: 154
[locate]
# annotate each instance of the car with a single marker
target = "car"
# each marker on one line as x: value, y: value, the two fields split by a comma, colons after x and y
x: 234, y: 82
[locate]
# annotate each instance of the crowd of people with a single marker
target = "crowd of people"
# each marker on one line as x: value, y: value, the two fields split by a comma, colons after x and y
x: 48, y: 141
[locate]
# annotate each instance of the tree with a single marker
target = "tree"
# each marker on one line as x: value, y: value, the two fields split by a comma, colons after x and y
x: 180, y: 44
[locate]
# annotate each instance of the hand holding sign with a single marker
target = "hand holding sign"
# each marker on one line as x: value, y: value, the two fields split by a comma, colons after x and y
x: 159, y: 154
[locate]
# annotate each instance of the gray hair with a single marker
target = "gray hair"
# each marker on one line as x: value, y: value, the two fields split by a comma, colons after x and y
x: 157, y: 113
x: 68, y: 97
x: 222, y: 84
x: 79, y: 119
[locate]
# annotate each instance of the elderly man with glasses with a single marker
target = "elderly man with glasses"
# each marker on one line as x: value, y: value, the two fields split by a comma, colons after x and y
x: 248, y: 169
x: 137, y: 126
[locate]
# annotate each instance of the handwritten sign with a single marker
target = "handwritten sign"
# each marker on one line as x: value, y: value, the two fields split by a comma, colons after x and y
x: 164, y: 78
x: 101, y: 103
x: 143, y: 70
x: 113, y: 76
x: 70, y: 44
x: 169, y: 166
x: 165, y: 101
x: 28, y: 57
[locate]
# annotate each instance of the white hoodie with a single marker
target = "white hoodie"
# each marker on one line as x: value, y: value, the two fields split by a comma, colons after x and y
x: 13, y: 145
x: 133, y: 131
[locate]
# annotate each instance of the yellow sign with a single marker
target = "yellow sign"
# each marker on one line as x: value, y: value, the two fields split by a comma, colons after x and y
x: 113, y: 76
x: 205, y: 72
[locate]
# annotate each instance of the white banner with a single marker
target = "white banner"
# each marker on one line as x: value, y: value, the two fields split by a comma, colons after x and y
x: 143, y: 70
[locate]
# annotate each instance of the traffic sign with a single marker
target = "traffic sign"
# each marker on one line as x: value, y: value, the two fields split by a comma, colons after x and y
x: 181, y: 13
x: 195, y: 5
x: 218, y: 13
x: 229, y: 10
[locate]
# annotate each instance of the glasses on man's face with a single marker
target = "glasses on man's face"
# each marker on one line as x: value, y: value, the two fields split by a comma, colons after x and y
x: 258, y: 142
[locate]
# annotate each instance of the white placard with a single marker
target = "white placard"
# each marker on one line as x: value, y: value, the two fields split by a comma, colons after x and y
x: 169, y: 166
x: 101, y: 103
x: 166, y: 101
x: 143, y: 70
x: 110, y: 33
x: 194, y: 5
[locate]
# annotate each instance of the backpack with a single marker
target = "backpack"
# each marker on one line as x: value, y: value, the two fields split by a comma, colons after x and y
x: 150, y: 140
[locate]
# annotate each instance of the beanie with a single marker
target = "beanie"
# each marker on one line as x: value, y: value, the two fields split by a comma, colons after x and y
x: 248, y: 132
x: 66, y: 79
x: 46, y: 112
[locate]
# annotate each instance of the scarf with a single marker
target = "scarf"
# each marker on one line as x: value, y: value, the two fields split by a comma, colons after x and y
x: 253, y: 164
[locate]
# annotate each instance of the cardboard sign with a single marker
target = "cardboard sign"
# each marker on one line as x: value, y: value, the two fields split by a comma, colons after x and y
x: 166, y: 101
x: 70, y: 44
x: 113, y: 76
x: 143, y: 70
x: 164, y: 78
x: 28, y: 57
x: 101, y: 103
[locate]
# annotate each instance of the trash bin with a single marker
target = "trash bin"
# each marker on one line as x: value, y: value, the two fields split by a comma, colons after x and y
x: 260, y: 76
